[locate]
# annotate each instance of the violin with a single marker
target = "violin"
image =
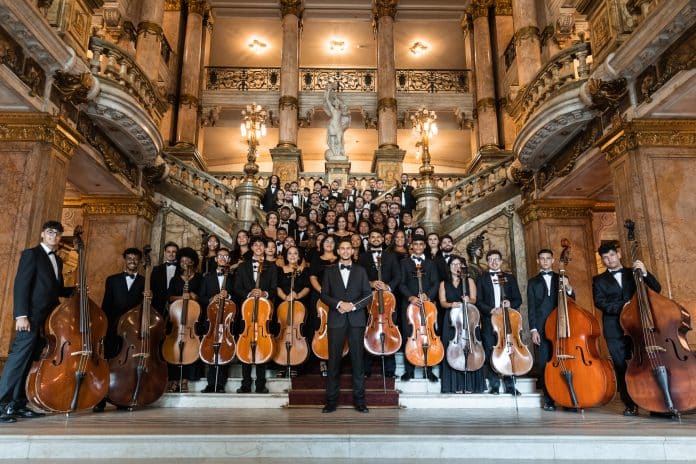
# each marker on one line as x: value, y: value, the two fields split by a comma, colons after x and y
x: 382, y: 337
x: 320, y: 341
x: 423, y: 347
x: 217, y: 346
x: 139, y: 372
x: 72, y: 373
x: 510, y: 356
x: 465, y: 351
x: 290, y: 346
x: 255, y: 343
x: 181, y: 345
x: 577, y: 375
x: 661, y: 375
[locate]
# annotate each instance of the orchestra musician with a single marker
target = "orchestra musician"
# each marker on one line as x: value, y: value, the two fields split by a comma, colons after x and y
x: 162, y: 276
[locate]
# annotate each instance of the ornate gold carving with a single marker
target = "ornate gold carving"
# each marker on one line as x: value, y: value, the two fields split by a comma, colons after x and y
x: 600, y: 31
x: 648, y: 132
x: 245, y: 79
x: 114, y: 205
x: 172, y: 5
x: 384, y: 8
x: 526, y: 33
x: 479, y: 8
x: 545, y: 209
x: 147, y: 27
x: 39, y: 127
x: 503, y: 7
x: 606, y: 94
x: 188, y: 100
x: 114, y: 160
x: 198, y: 6
x: 289, y: 102
x: 291, y: 7
x: 386, y: 103
x: 74, y: 87
x: 485, y: 104
x: 347, y: 80
x: 432, y: 81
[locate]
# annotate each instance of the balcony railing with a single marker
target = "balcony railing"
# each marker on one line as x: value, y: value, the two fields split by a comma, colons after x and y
x: 432, y: 81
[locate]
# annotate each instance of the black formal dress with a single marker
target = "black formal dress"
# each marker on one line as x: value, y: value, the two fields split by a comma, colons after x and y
x: 36, y: 292
x: 391, y: 275
x: 244, y: 283
x: 350, y: 324
x: 610, y: 298
x: 409, y: 287
x: 485, y: 301
x: 118, y: 300
x: 542, y: 298
x: 452, y: 380
x: 176, y: 289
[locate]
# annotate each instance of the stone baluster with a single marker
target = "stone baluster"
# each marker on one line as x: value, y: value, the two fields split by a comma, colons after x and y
x: 148, y: 46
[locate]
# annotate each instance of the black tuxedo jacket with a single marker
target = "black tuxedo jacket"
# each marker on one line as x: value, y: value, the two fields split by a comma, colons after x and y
x: 211, y: 287
x: 36, y: 289
x: 442, y: 265
x: 610, y: 298
x: 292, y: 225
x: 333, y: 291
x: 117, y: 301
x: 409, y: 283
x: 244, y: 280
x: 391, y: 274
x: 269, y: 199
x: 158, y: 286
x: 485, y: 295
x: 410, y: 203
x: 539, y: 302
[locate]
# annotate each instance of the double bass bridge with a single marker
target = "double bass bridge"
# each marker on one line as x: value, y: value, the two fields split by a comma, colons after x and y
x: 652, y: 349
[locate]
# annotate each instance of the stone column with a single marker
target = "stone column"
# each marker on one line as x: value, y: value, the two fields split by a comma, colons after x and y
x: 527, y: 42
x: 652, y: 165
x: 35, y: 151
x: 546, y: 223
x: 428, y: 200
x: 287, y: 158
x: 388, y: 159
x: 249, y: 195
x: 504, y: 31
x: 171, y: 30
x: 147, y: 50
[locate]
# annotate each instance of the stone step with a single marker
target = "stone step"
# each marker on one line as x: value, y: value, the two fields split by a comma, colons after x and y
x: 312, y: 381
x: 316, y: 398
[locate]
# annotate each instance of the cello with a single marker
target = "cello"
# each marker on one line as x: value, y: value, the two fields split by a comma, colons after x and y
x: 465, y: 351
x: 290, y: 346
x: 320, y: 341
x: 423, y: 347
x: 217, y: 346
x: 510, y: 356
x: 255, y: 343
x: 72, y: 373
x: 138, y: 372
x: 661, y: 375
x: 577, y: 375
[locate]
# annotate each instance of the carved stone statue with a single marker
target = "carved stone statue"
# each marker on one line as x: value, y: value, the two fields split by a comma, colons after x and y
x: 474, y: 249
x: 339, y: 121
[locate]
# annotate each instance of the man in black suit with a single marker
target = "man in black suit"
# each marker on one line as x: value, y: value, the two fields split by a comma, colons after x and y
x: 489, y: 297
x: 409, y: 292
x: 404, y: 194
x: 270, y: 196
x: 611, y: 290
x: 391, y: 277
x: 245, y: 287
x: 37, y: 286
x: 346, y: 291
x: 542, y: 298
x: 161, y: 277
x: 212, y: 291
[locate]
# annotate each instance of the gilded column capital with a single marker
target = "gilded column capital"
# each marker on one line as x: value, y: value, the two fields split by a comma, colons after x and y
x: 503, y: 7
x: 172, y: 5
x: 148, y: 27
x: 288, y: 101
x: 479, y: 8
x: 648, y: 132
x: 198, y: 6
x: 114, y: 205
x: 39, y: 127
x: 485, y: 104
x: 188, y: 100
x: 526, y: 33
x: 555, y: 209
x: 291, y: 7
x: 386, y: 103
x: 384, y: 8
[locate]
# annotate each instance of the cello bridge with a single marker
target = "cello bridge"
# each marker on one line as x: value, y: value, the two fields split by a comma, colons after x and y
x: 140, y: 355
x: 565, y: 356
x: 655, y: 349
x: 81, y: 353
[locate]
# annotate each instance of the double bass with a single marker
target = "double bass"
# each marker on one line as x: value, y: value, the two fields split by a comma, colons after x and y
x: 138, y: 372
x: 661, y: 375
x: 577, y: 375
x: 510, y: 356
x: 72, y: 373
x: 255, y: 343
x: 217, y: 346
x: 290, y: 346
x: 465, y: 351
x: 423, y: 347
x: 320, y: 341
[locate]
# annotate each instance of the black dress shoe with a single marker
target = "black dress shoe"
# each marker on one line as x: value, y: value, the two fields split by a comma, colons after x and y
x: 630, y: 411
x: 406, y: 377
x: 362, y: 408
x: 549, y: 407
x: 99, y: 407
x: 208, y: 389
x: 432, y: 377
x: 220, y: 389
x: 124, y: 408
x: 262, y: 390
x: 493, y: 391
x: 513, y: 391
x: 329, y: 408
x: 23, y: 412
x: 665, y: 415
x: 5, y: 419
x: 244, y: 390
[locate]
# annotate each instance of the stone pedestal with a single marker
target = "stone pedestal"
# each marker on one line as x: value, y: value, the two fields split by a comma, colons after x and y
x: 546, y: 223
x: 428, y: 206
x: 388, y: 164
x: 337, y: 170
x: 35, y: 152
x: 287, y: 163
x: 249, y: 195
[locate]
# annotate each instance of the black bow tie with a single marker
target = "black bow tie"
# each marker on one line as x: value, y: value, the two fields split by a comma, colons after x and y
x: 346, y: 267
x: 615, y: 272
x: 547, y: 273
x: 220, y: 274
x: 170, y: 264
x: 376, y: 250
x: 493, y: 273
x: 416, y: 258
x: 130, y: 276
x: 284, y: 223
x: 51, y: 253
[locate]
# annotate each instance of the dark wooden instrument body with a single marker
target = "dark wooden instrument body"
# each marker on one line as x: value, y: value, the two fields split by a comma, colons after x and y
x: 320, y: 341
x: 290, y: 346
x: 465, y: 351
x: 181, y: 345
x: 382, y: 337
x: 255, y: 343
x: 218, y: 346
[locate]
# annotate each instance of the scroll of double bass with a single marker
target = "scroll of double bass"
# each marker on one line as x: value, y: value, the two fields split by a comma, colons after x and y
x: 423, y: 347
x: 138, y: 372
x: 290, y: 346
x: 661, y: 375
x: 217, y: 346
x: 465, y: 351
x: 72, y: 373
x: 577, y: 375
x: 255, y: 343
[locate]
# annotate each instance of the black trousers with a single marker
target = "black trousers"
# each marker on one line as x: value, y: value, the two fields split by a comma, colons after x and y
x: 217, y: 375
x: 23, y: 351
x: 260, y: 376
x: 544, y: 357
x: 337, y: 336
x: 620, y: 349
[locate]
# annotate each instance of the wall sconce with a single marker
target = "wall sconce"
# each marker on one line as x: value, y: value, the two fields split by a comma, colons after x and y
x: 337, y: 46
x: 418, y: 48
x: 257, y: 46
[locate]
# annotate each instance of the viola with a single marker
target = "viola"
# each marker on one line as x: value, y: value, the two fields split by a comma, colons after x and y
x: 661, y: 375
x: 255, y: 343
x: 72, y: 373
x: 217, y: 346
x: 577, y: 375
x: 382, y: 337
x: 510, y: 355
x: 320, y: 341
x: 290, y: 346
x: 423, y: 347
x: 139, y: 372
x: 181, y: 345
x: 465, y: 351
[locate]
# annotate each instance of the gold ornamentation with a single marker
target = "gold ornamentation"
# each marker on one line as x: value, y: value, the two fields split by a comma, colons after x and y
x: 198, y: 6
x: 188, y: 100
x: 148, y: 27
x: 244, y: 79
x: 606, y: 94
x: 503, y: 7
x: 544, y: 209
x: 291, y: 7
x: 384, y: 8
x: 432, y: 81
x: 74, y: 87
x: 485, y: 104
x: 39, y: 127
x: 114, y: 160
x: 172, y: 5
x: 526, y: 33
x: 479, y: 8
x: 386, y: 103
x: 648, y: 132
x: 288, y: 102
x: 114, y: 205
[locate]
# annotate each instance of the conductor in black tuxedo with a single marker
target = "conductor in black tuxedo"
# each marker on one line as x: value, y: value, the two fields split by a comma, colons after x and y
x: 489, y: 297
x: 542, y: 298
x: 161, y: 278
x: 611, y: 290
x: 37, y: 286
x: 391, y: 277
x: 346, y: 291
x: 245, y: 287
x: 122, y: 292
x: 404, y: 195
